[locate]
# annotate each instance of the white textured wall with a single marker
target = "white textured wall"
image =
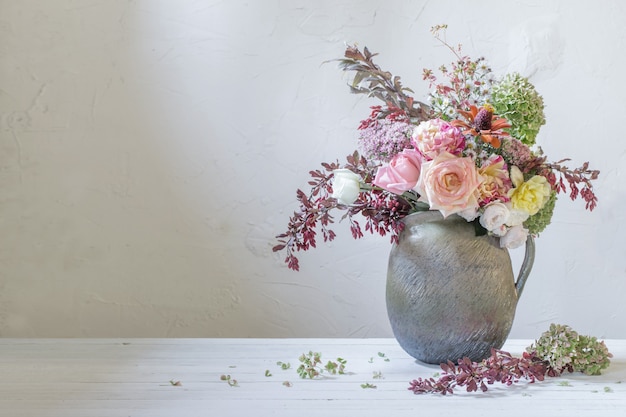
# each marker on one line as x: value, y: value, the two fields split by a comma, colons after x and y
x: 150, y: 150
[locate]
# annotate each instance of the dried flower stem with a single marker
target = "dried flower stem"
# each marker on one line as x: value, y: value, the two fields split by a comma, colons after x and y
x: 558, y: 350
x: 369, y: 79
x: 500, y: 367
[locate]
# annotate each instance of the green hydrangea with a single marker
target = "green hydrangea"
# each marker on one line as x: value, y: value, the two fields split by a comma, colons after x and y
x: 540, y: 220
x: 516, y: 99
x: 566, y: 350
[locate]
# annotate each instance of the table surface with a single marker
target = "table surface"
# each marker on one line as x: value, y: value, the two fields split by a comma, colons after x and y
x: 183, y: 377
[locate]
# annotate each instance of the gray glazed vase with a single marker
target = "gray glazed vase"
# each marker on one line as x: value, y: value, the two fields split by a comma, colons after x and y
x: 450, y: 293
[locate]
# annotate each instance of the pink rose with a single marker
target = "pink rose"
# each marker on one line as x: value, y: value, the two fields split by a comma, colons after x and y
x: 402, y: 172
x: 432, y: 137
x: 449, y: 184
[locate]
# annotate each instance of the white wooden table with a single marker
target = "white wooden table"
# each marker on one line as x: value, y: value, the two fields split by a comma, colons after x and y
x: 182, y: 377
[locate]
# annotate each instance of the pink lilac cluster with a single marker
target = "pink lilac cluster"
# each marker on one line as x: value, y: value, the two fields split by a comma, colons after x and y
x: 382, y: 139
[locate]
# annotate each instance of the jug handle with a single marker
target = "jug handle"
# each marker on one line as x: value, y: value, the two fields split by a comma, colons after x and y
x: 527, y: 265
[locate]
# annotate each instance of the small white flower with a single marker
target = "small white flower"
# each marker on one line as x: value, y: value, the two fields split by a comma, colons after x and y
x: 494, y: 217
x: 516, y: 217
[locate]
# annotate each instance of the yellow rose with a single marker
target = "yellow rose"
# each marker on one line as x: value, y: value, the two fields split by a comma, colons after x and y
x: 529, y: 196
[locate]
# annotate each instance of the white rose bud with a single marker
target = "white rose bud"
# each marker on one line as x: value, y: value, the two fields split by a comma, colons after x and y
x: 514, y: 238
x: 494, y: 217
x: 346, y: 186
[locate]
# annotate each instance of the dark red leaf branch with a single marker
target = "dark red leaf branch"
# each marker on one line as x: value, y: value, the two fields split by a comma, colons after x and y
x: 382, y: 211
x: 579, y: 181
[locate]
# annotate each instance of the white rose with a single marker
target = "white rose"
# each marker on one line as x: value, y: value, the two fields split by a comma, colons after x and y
x: 494, y: 217
x: 516, y: 217
x: 346, y: 186
x: 515, y: 237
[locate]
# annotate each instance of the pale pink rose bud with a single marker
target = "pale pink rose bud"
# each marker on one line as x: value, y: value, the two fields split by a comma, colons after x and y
x: 402, y: 172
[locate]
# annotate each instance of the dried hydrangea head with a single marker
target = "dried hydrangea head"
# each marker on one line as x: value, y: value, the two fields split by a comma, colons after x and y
x: 537, y: 223
x: 566, y: 350
x: 516, y: 99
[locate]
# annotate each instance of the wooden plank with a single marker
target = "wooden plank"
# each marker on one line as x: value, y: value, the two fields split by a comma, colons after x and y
x: 131, y: 377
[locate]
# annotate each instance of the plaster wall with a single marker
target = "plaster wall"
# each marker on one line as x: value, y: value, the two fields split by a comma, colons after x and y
x: 150, y: 151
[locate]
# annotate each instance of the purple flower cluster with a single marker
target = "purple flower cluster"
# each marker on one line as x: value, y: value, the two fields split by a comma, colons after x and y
x: 384, y: 139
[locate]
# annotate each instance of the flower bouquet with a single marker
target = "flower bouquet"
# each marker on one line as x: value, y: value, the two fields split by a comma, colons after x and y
x: 469, y: 151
